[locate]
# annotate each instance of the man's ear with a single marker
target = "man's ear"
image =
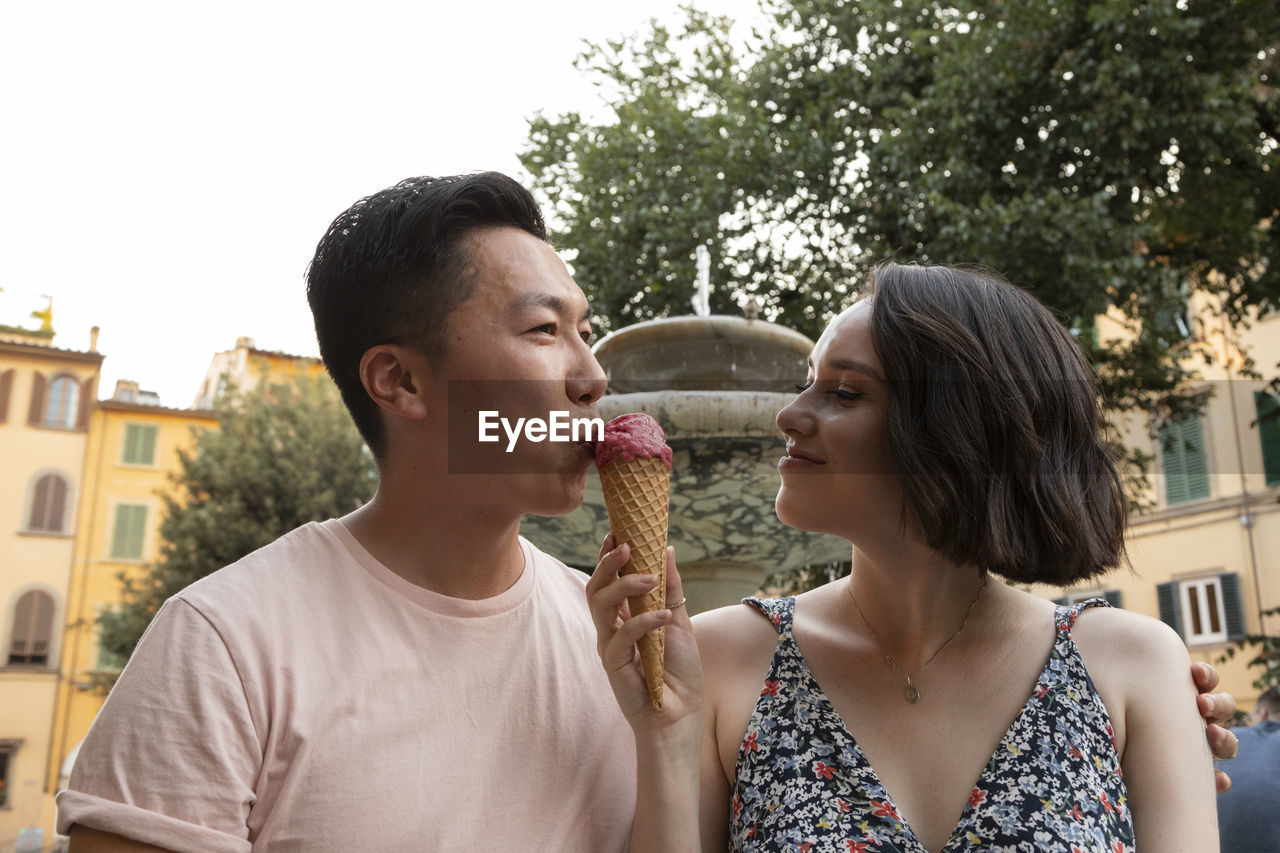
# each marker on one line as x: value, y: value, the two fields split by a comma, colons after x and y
x: 395, y: 377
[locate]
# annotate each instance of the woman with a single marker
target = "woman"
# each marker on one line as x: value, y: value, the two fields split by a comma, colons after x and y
x: 949, y: 429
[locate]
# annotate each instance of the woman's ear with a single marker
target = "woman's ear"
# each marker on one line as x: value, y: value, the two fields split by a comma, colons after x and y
x: 395, y: 378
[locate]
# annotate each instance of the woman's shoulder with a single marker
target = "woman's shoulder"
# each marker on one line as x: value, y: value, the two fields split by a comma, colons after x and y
x: 1130, y: 656
x: 1140, y: 638
x: 732, y: 625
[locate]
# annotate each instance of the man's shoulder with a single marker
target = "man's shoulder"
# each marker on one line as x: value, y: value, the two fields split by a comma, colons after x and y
x: 1267, y: 732
x: 270, y: 571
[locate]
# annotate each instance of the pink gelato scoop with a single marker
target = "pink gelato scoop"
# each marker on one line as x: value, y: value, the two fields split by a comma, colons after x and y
x: 630, y: 437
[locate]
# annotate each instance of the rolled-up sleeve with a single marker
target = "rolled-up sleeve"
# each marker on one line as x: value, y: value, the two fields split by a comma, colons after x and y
x: 173, y: 756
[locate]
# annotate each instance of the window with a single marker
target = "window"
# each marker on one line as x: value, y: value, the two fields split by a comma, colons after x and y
x: 1186, y: 467
x: 32, y: 632
x: 61, y: 403
x: 130, y: 527
x: 1203, y: 610
x: 6, y: 385
x: 7, y: 749
x: 139, y: 445
x: 1268, y: 409
x: 48, y: 505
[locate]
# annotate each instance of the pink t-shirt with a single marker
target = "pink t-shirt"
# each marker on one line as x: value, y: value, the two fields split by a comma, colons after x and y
x: 307, y: 698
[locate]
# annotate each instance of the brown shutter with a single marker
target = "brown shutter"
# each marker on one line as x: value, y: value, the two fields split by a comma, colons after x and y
x: 88, y: 390
x: 37, y: 399
x: 32, y: 629
x: 40, y: 504
x: 6, y: 382
x: 43, y: 639
x: 57, y: 503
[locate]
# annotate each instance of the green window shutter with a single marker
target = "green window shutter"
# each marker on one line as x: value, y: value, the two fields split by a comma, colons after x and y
x: 1232, y: 604
x: 1167, y: 597
x: 139, y: 444
x: 1186, y: 466
x: 1268, y: 409
x: 130, y: 451
x: 149, y: 445
x: 1113, y: 597
x: 130, y: 527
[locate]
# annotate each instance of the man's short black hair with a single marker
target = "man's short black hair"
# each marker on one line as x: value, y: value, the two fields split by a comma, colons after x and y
x: 393, y: 266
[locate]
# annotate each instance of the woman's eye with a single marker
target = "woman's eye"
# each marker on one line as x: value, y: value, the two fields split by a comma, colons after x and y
x: 548, y: 328
x: 586, y: 335
x: 805, y: 387
x: 842, y: 394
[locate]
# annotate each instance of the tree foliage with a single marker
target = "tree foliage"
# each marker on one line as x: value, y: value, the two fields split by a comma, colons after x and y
x: 1265, y: 650
x: 281, y: 456
x: 1101, y: 153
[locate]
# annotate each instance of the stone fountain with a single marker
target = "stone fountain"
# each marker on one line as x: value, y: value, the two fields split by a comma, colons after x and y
x: 715, y: 383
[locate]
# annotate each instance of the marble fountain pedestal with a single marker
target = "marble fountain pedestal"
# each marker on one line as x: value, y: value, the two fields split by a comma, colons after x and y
x: 715, y: 383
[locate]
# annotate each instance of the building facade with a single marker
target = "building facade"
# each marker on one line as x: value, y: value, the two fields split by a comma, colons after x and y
x: 1205, y: 544
x: 83, y: 491
x: 132, y: 455
x: 46, y: 400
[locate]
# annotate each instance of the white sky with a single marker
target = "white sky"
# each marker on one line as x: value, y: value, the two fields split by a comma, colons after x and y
x: 168, y: 167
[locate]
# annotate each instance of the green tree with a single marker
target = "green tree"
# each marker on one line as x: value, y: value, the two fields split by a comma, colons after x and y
x: 637, y: 194
x: 1265, y: 650
x: 1099, y: 153
x: 281, y: 456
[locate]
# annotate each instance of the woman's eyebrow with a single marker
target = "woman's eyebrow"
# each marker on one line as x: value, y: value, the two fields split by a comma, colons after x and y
x: 855, y: 364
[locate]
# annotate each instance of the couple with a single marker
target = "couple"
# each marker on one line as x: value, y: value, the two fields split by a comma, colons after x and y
x: 415, y: 676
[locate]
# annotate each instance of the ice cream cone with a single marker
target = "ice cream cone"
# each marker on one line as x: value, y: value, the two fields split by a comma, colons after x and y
x: 636, y: 497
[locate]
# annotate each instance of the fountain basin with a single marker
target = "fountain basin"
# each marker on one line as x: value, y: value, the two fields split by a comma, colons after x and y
x: 713, y: 353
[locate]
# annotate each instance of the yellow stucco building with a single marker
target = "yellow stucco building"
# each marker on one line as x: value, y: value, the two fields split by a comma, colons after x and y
x: 245, y: 366
x: 82, y: 492
x: 1205, y: 549
x: 132, y: 453
x: 46, y: 399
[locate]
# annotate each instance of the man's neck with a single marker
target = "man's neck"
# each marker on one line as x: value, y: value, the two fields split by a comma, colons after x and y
x: 438, y: 545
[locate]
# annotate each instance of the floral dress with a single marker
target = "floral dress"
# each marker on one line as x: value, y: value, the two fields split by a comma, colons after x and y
x: 1054, y: 783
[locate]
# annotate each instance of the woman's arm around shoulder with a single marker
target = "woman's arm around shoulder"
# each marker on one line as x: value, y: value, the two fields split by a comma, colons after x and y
x: 1142, y: 671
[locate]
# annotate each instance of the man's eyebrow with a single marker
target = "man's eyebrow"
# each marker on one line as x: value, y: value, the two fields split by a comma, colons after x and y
x: 548, y: 300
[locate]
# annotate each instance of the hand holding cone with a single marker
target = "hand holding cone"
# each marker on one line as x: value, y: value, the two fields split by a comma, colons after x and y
x: 635, y: 471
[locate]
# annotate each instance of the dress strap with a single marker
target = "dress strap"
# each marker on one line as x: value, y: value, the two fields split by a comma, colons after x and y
x: 1067, y: 614
x: 779, y: 611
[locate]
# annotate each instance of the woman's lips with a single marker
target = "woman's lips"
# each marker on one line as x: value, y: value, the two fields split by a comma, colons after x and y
x: 796, y: 460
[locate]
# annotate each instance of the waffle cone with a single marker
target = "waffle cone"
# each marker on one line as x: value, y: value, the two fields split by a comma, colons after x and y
x: 636, y: 496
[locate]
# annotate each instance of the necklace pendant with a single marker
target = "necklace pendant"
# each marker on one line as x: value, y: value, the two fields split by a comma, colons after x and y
x: 913, y: 695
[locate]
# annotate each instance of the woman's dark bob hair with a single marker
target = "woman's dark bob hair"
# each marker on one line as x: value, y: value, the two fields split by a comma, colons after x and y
x: 994, y: 424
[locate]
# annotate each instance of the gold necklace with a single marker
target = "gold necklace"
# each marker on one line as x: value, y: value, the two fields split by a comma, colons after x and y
x: 913, y: 694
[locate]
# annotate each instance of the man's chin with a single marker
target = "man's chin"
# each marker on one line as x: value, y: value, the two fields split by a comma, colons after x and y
x: 558, y: 495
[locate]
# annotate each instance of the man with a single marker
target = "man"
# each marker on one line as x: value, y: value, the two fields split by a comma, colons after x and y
x: 1249, y: 813
x: 413, y: 676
